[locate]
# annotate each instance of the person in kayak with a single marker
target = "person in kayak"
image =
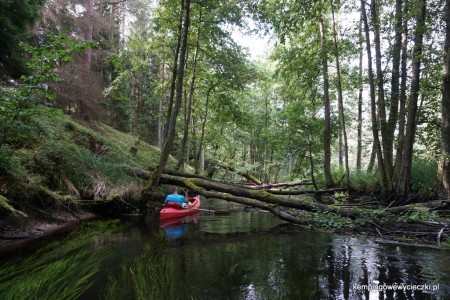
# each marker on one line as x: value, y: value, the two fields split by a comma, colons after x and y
x: 175, y: 200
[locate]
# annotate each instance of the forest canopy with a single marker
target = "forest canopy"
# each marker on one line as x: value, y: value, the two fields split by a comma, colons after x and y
x: 352, y: 94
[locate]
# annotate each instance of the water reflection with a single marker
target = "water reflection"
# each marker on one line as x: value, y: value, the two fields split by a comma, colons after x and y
x: 175, y: 228
x: 238, y: 256
x: 295, y: 263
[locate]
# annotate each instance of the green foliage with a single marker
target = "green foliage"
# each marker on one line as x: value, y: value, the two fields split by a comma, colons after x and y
x: 20, y: 104
x: 5, y: 207
x: 424, y: 181
x: 421, y: 215
x: 446, y: 242
x: 51, y: 52
x: 364, y: 181
x: 379, y: 215
x: 329, y: 220
x: 16, y: 16
x: 65, y: 158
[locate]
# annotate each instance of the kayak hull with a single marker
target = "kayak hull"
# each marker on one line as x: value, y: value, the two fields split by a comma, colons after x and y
x: 172, y: 213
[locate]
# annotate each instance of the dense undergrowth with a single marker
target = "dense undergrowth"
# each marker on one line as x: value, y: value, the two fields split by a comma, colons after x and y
x: 424, y: 181
x: 60, y: 157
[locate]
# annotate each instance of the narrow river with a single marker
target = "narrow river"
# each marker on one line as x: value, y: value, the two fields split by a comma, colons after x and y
x: 243, y: 255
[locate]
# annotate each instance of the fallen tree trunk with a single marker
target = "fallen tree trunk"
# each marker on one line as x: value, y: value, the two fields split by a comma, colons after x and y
x: 259, y: 198
x: 267, y: 201
x: 280, y: 185
x: 270, y: 188
x: 307, y: 192
x: 247, y: 176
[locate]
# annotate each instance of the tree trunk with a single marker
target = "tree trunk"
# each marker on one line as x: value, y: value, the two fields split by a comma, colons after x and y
x: 326, y: 104
x: 88, y: 29
x: 360, y: 96
x: 411, y: 125
x: 182, y: 158
x: 202, y: 134
x: 395, y: 78
x: 340, y: 100
x: 160, y: 132
x: 376, y: 139
x: 444, y: 164
x: 174, y: 71
x: 381, y: 107
x: 168, y: 144
x: 402, y: 109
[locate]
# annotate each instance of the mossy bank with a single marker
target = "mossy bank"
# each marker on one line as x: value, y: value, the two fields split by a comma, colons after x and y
x: 59, y: 165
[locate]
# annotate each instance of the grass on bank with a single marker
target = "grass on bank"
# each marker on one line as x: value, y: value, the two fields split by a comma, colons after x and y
x: 60, y: 155
x: 424, y: 180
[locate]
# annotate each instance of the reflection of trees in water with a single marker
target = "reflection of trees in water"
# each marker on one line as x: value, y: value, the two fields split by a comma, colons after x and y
x: 279, y: 262
x: 304, y: 266
x: 347, y: 262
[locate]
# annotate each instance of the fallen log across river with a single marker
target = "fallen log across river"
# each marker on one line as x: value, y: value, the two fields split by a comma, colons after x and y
x: 264, y: 200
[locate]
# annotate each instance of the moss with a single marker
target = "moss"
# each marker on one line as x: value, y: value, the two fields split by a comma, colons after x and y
x: 7, y: 210
x: 65, y: 161
x: 4, y: 205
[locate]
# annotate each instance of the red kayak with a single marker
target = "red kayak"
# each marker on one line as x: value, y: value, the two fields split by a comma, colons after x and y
x: 171, y: 212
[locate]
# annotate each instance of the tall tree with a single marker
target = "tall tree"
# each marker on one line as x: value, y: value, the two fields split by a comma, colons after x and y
x: 403, y: 184
x: 360, y: 98
x: 343, y: 129
x: 376, y: 139
x: 168, y: 144
x: 395, y: 88
x: 403, y: 98
x: 189, y: 101
x: 326, y: 104
x: 444, y: 164
x: 386, y: 154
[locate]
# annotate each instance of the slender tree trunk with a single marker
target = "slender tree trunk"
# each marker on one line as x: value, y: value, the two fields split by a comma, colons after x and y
x: 444, y: 164
x: 194, y: 135
x: 402, y: 109
x: 266, y: 142
x: 189, y: 103
x: 395, y: 78
x: 373, y: 156
x: 340, y: 100
x: 326, y: 103
x: 174, y: 72
x: 360, y: 94
x: 168, y: 144
x: 411, y: 125
x: 386, y: 149
x: 202, y: 135
x: 311, y: 163
x: 341, y: 144
x: 160, y: 132
x: 376, y: 139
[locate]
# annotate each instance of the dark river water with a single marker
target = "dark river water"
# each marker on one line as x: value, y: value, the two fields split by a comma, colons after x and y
x: 243, y: 255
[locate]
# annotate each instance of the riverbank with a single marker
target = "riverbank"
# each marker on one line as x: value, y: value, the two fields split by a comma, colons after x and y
x: 17, y: 231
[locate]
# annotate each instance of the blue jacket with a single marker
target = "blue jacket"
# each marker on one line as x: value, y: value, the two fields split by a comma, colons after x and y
x: 175, y: 198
